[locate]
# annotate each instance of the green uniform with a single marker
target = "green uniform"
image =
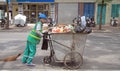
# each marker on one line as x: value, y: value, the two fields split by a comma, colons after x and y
x: 32, y: 40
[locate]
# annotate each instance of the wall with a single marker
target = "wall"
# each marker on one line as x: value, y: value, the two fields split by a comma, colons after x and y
x: 75, y: 0
x: 15, y: 9
x: 116, y: 2
x: 67, y: 12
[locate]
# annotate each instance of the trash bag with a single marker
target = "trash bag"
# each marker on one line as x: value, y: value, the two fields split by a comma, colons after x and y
x: 79, y: 29
x: 88, y: 30
x: 20, y: 20
x: 45, y: 42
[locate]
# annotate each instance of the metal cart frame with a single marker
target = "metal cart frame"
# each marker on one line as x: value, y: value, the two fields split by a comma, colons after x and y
x: 72, y: 59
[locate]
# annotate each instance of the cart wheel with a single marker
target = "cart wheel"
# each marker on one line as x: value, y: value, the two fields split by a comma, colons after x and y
x: 73, y: 60
x: 47, y: 60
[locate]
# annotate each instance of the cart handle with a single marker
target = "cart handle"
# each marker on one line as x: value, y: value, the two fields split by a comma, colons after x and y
x: 48, y: 33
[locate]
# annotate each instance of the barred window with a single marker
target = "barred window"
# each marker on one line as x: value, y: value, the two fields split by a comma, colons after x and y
x: 115, y: 10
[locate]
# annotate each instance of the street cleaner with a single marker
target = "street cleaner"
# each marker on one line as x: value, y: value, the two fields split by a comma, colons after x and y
x: 33, y: 39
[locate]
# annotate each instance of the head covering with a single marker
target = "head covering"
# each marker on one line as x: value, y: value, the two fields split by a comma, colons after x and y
x: 41, y: 15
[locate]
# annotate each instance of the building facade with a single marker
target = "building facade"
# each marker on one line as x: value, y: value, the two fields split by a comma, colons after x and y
x: 31, y: 8
x: 68, y: 9
x: 64, y: 11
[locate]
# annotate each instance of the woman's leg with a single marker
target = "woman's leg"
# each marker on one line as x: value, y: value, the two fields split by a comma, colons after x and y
x: 26, y: 53
x: 32, y: 49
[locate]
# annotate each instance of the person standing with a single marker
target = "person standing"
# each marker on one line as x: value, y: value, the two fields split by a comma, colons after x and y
x: 33, y: 39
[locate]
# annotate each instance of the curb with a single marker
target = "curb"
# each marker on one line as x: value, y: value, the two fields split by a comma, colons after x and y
x: 105, y: 29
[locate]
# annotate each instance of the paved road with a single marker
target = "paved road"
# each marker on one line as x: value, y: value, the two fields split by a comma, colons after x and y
x: 102, y: 52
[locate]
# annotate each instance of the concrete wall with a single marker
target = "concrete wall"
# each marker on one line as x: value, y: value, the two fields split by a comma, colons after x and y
x: 75, y: 0
x: 15, y: 9
x: 108, y: 13
x: 67, y: 12
x: 115, y: 2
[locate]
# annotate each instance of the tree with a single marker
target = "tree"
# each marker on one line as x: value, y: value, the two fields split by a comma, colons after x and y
x: 7, y: 9
x: 102, y: 2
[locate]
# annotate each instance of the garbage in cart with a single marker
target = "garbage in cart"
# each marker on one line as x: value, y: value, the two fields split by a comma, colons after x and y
x: 70, y: 28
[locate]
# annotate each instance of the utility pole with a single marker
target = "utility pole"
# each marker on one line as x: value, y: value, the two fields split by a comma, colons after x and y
x: 7, y: 10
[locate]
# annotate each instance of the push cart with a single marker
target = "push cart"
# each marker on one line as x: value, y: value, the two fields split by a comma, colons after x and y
x: 67, y: 48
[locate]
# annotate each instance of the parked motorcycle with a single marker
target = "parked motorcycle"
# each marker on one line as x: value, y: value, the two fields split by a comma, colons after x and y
x: 90, y: 22
x: 2, y: 22
x: 114, y: 22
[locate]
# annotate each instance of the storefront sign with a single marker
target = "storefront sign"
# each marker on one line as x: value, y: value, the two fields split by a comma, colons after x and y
x: 35, y: 0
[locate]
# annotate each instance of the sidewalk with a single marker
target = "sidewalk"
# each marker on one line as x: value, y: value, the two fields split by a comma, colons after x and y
x: 105, y: 28
x: 13, y: 28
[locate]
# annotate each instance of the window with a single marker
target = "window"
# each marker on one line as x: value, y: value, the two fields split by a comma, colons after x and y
x: 115, y: 10
x: 33, y: 9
